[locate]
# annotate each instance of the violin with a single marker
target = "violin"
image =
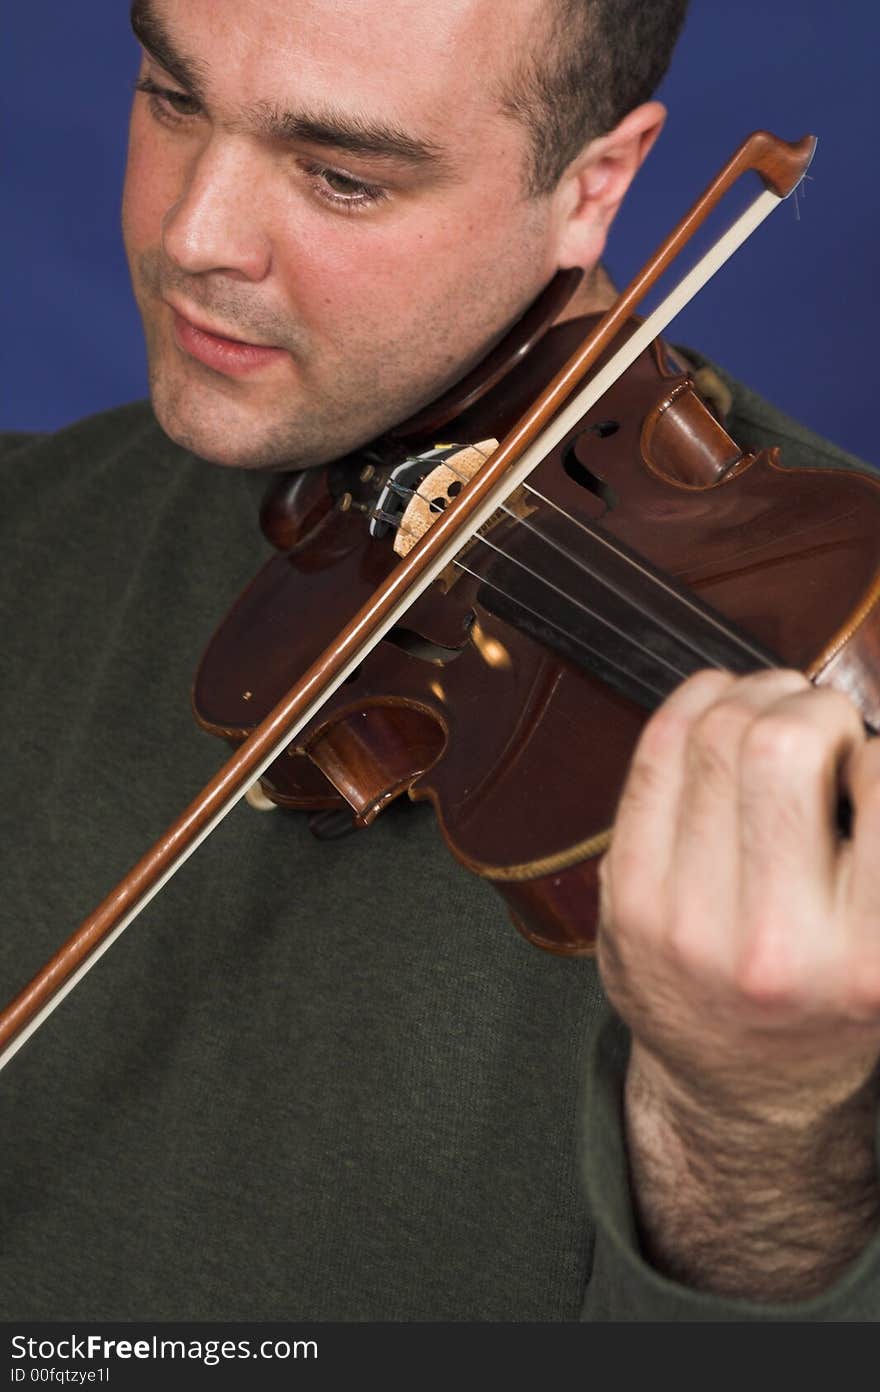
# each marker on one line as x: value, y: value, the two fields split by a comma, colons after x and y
x: 486, y: 625
x: 646, y: 545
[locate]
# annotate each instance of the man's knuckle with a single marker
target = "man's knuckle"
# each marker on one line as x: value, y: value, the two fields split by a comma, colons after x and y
x: 763, y: 974
x: 663, y: 733
x: 776, y: 742
x: 690, y: 944
x: 708, y: 683
x: 839, y: 706
x: 718, y: 731
x: 714, y: 742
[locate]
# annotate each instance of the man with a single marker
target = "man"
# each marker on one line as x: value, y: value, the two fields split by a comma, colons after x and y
x: 361, y: 1106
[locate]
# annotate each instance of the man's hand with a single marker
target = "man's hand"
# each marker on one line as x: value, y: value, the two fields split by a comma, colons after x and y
x: 740, y: 941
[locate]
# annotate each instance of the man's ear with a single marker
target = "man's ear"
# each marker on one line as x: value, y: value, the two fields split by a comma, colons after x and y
x: 593, y: 187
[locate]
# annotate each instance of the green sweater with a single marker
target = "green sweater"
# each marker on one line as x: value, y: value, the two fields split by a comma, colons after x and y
x: 315, y: 1080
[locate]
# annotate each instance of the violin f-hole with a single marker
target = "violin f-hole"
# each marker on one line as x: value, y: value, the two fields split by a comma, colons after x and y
x: 581, y: 474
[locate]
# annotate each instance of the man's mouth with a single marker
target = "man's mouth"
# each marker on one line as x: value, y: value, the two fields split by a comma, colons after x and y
x: 234, y: 357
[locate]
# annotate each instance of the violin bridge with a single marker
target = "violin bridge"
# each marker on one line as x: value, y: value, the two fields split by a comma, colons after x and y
x: 437, y: 490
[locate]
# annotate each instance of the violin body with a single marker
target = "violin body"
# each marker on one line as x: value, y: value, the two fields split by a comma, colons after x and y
x: 514, y: 693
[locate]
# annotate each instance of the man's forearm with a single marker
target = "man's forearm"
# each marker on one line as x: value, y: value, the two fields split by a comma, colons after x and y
x: 770, y: 1208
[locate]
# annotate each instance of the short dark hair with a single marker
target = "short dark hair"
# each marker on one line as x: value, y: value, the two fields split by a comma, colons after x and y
x: 597, y: 60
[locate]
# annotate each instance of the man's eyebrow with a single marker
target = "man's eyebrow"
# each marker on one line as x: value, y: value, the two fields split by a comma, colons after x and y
x: 339, y: 131
x: 327, y: 127
x: 152, y: 36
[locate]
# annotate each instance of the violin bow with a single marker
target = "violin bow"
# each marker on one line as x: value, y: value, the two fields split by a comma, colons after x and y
x: 781, y: 166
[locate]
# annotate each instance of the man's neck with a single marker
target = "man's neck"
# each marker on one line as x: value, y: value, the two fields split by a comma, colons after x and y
x: 594, y: 295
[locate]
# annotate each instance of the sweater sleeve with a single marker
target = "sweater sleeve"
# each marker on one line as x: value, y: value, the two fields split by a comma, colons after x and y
x: 623, y: 1286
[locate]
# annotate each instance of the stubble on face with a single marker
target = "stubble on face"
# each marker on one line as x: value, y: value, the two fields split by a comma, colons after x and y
x: 184, y: 392
x: 310, y: 421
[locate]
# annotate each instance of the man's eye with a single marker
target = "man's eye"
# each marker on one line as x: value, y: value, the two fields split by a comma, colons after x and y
x: 342, y: 190
x: 166, y: 103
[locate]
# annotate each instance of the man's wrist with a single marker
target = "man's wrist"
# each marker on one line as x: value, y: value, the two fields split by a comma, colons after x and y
x: 763, y: 1203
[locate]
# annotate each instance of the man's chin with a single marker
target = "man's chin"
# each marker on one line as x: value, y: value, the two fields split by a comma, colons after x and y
x: 219, y: 435
x: 200, y: 443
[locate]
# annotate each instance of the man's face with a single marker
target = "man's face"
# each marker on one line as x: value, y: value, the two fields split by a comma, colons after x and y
x: 334, y: 181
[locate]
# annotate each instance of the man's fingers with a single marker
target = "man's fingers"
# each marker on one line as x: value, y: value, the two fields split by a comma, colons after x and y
x: 791, y: 764
x: 725, y: 841
x: 706, y: 870
x: 641, y: 851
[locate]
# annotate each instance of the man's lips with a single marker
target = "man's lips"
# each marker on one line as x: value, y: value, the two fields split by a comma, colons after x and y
x: 231, y: 356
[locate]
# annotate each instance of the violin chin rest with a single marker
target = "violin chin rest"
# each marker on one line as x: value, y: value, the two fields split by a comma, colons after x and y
x: 294, y: 506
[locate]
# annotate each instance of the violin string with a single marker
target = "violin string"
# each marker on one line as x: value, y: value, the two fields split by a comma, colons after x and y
x: 728, y: 634
x: 518, y: 602
x: 574, y: 637
x: 659, y: 692
x: 594, y: 574
x: 678, y: 673
x: 591, y: 613
x: 618, y: 593
x: 652, y: 577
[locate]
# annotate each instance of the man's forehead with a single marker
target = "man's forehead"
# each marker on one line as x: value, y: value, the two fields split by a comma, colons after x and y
x: 427, y: 56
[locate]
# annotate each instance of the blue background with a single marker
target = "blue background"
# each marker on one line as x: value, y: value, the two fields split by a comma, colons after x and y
x: 793, y: 314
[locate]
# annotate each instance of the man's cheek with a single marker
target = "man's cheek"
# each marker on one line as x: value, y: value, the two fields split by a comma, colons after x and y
x: 148, y: 189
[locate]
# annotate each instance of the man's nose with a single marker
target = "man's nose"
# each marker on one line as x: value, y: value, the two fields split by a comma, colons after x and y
x: 215, y: 224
